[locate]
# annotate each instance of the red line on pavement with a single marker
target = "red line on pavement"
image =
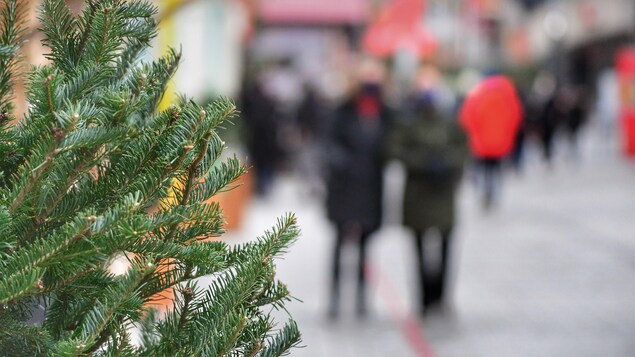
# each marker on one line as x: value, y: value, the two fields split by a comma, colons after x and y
x: 409, y: 326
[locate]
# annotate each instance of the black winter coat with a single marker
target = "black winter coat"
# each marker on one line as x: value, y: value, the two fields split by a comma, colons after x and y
x: 355, y: 168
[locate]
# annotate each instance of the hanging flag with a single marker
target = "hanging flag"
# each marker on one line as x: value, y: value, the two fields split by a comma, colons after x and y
x: 398, y: 27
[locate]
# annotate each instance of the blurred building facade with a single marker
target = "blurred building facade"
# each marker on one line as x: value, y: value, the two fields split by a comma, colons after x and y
x: 221, y: 38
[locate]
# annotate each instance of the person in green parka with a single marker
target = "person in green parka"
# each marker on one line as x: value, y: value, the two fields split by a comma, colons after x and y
x: 432, y: 148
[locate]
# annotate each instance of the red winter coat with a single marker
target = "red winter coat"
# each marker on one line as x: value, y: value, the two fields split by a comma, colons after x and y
x: 491, y: 116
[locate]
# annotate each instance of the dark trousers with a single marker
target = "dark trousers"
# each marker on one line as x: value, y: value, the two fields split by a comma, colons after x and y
x: 491, y: 177
x: 548, y: 135
x: 343, y: 232
x: 432, y: 279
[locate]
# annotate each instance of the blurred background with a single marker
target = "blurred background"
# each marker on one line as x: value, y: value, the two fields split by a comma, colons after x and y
x: 368, y: 119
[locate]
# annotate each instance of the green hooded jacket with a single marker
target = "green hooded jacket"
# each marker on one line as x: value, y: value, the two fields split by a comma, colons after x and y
x: 433, y: 150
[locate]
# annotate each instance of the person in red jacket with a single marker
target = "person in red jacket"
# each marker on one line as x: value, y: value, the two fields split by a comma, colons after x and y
x: 491, y: 116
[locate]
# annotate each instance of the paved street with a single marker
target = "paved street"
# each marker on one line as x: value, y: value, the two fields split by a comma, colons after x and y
x: 550, y: 272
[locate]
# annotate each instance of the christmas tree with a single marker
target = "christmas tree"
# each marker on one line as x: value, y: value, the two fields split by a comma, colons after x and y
x: 95, y: 173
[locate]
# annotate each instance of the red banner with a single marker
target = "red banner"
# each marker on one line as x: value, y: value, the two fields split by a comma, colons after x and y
x: 398, y: 27
x: 625, y: 65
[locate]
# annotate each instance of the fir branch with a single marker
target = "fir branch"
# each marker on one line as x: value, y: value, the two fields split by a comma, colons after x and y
x: 257, y: 348
x: 34, y: 178
x: 288, y: 338
x: 103, y: 338
x: 78, y: 176
x: 49, y: 94
x: 103, y: 38
x: 234, y: 337
x: 12, y: 25
x: 244, y: 280
x: 188, y: 294
x: 92, y: 7
x: 92, y: 330
x: 39, y: 171
x: 192, y: 172
x: 58, y: 26
x: 23, y: 265
x: 84, y: 164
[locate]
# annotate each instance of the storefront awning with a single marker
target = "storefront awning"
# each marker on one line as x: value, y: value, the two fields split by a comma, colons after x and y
x: 313, y: 11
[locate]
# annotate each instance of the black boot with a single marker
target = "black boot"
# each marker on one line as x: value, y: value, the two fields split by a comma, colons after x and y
x: 334, y: 302
x: 433, y: 293
x: 361, y: 307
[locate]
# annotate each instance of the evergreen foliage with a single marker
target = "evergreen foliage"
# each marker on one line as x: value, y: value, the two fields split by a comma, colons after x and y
x: 95, y: 172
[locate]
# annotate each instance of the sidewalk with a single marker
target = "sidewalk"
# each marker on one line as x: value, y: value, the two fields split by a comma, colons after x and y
x: 550, y: 272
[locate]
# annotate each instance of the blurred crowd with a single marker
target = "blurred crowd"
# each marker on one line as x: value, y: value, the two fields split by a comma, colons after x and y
x: 440, y: 124
x: 288, y: 121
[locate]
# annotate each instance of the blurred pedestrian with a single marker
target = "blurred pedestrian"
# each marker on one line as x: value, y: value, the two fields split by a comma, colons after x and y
x: 311, y: 125
x: 518, y: 151
x: 283, y: 84
x: 575, y: 119
x: 553, y: 116
x: 608, y: 105
x: 432, y: 148
x: 310, y: 116
x: 259, y: 112
x: 354, y: 181
x: 491, y: 116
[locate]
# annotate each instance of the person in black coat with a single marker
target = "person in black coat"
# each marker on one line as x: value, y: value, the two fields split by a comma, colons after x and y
x: 259, y: 113
x: 552, y: 117
x: 354, y: 179
x: 575, y: 119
